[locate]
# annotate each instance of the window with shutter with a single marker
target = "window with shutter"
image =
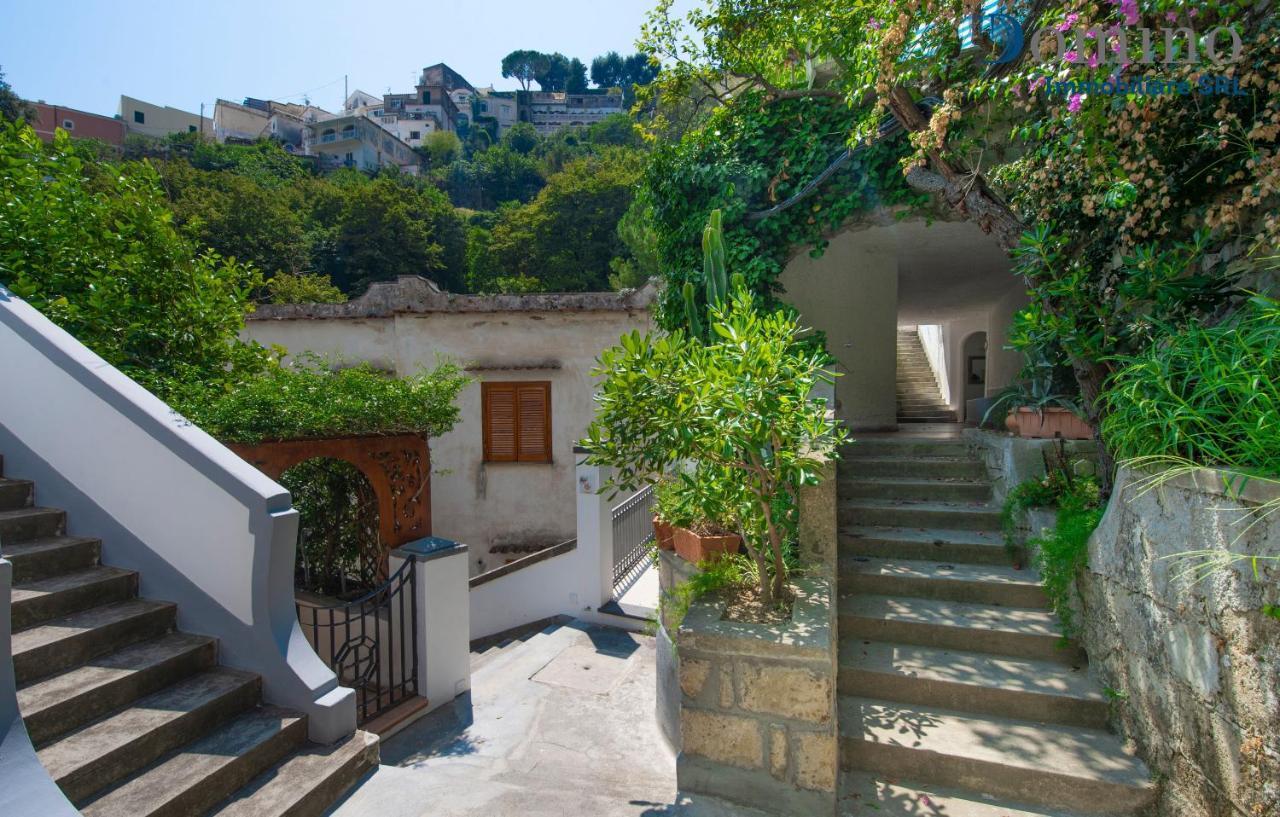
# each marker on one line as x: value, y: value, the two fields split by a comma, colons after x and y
x: 517, y: 421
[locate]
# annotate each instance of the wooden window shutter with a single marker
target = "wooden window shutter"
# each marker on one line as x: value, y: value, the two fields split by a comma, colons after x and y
x: 517, y: 421
x: 500, y: 430
x: 534, y: 401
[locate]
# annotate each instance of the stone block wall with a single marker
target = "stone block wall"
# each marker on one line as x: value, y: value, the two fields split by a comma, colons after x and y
x: 751, y: 708
x: 757, y: 706
x: 1195, y: 663
x: 1012, y: 460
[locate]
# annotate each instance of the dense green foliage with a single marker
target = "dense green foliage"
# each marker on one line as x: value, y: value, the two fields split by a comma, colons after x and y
x: 97, y: 252
x: 1208, y: 394
x: 1060, y: 552
x: 749, y: 157
x: 13, y: 106
x: 284, y: 288
x: 339, y: 547
x: 567, y: 237
x: 736, y: 405
x: 310, y: 399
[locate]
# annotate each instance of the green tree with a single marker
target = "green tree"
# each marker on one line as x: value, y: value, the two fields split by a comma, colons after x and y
x: 608, y: 70
x: 642, y: 262
x: 522, y: 137
x: 303, y: 289
x: 738, y: 406
x: 552, y: 72
x: 237, y: 217
x: 97, y: 252
x: 391, y: 227
x: 12, y: 106
x: 523, y: 66
x: 492, y: 177
x: 566, y: 237
x: 442, y: 148
x: 576, y: 82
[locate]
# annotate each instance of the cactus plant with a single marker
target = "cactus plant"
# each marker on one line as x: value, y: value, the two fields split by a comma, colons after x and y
x: 713, y: 261
x: 691, y: 311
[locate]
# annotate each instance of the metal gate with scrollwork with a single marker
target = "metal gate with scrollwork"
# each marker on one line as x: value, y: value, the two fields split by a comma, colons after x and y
x: 370, y: 643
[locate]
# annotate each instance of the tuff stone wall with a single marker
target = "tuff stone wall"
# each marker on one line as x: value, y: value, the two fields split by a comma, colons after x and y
x: 1197, y: 663
x: 757, y: 705
x: 751, y: 708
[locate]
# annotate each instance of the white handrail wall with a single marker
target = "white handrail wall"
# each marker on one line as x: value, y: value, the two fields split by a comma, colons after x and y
x: 204, y: 528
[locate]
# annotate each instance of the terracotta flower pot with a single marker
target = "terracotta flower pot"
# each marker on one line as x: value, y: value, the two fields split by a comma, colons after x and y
x: 694, y: 547
x: 1054, y: 422
x: 664, y: 533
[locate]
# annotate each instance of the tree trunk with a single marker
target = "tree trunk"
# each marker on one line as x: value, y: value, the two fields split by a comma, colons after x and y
x: 965, y: 191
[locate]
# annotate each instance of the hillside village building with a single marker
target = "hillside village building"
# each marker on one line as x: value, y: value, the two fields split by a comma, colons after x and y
x: 146, y: 119
x: 551, y: 111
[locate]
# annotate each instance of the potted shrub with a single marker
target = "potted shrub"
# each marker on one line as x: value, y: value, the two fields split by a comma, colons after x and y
x: 1036, y: 408
x: 665, y: 508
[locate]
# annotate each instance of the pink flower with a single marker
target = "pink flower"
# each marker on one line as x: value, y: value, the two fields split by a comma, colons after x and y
x: 1036, y: 84
x: 1074, y: 103
x: 873, y: 24
x: 1129, y: 8
x: 1071, y: 56
x: 1194, y: 12
x: 1069, y: 23
x: 1115, y: 46
x: 1093, y: 60
x: 1171, y: 16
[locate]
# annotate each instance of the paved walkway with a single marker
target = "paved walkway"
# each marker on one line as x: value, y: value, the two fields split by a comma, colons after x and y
x: 562, y: 725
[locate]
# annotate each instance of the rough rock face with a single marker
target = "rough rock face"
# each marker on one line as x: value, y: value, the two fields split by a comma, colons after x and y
x: 1194, y: 661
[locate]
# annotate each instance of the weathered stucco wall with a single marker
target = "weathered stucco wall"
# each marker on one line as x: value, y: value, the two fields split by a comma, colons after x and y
x: 1197, y: 662
x: 851, y: 293
x: 405, y: 325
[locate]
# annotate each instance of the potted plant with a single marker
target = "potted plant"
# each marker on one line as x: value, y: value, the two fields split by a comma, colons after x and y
x: 665, y: 508
x: 1037, y: 408
x: 692, y: 517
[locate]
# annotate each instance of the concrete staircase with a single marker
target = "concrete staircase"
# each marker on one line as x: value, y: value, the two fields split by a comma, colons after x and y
x: 919, y: 400
x: 956, y: 696
x: 131, y: 717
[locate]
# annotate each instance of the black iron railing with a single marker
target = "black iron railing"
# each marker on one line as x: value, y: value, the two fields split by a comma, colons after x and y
x: 370, y: 643
x: 632, y: 536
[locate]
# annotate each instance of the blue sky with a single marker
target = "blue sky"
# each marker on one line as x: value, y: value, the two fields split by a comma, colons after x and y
x: 84, y: 54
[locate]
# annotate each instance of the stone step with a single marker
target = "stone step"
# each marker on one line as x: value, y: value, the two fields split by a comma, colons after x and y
x: 925, y: 467
x: 1017, y: 632
x: 948, y: 417
x: 56, y: 596
x: 205, y: 772
x: 868, y: 795
x: 37, y: 559
x: 67, y: 642
x: 906, y: 446
x: 928, y: 544
x: 954, y: 490
x: 887, y: 513
x: 946, y: 581
x: 105, y: 752
x: 1038, y: 764
x: 57, y: 705
x: 307, y: 783
x: 1041, y: 691
x: 21, y: 524
x: 16, y: 493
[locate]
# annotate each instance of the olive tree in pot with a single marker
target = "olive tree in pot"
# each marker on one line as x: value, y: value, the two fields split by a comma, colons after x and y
x: 737, y: 405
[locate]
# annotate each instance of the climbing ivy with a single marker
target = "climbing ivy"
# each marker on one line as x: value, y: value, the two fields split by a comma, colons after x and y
x: 748, y: 157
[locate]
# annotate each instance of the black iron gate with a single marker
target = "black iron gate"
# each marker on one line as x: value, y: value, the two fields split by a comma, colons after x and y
x: 371, y: 643
x: 632, y: 536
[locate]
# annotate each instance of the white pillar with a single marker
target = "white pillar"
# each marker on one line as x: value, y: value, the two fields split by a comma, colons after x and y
x: 595, y: 533
x: 444, y: 617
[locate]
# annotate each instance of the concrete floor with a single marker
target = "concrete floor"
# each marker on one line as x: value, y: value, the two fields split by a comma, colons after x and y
x: 561, y: 725
x: 638, y: 593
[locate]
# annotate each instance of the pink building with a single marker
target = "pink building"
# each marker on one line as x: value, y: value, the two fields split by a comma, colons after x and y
x: 80, y: 124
